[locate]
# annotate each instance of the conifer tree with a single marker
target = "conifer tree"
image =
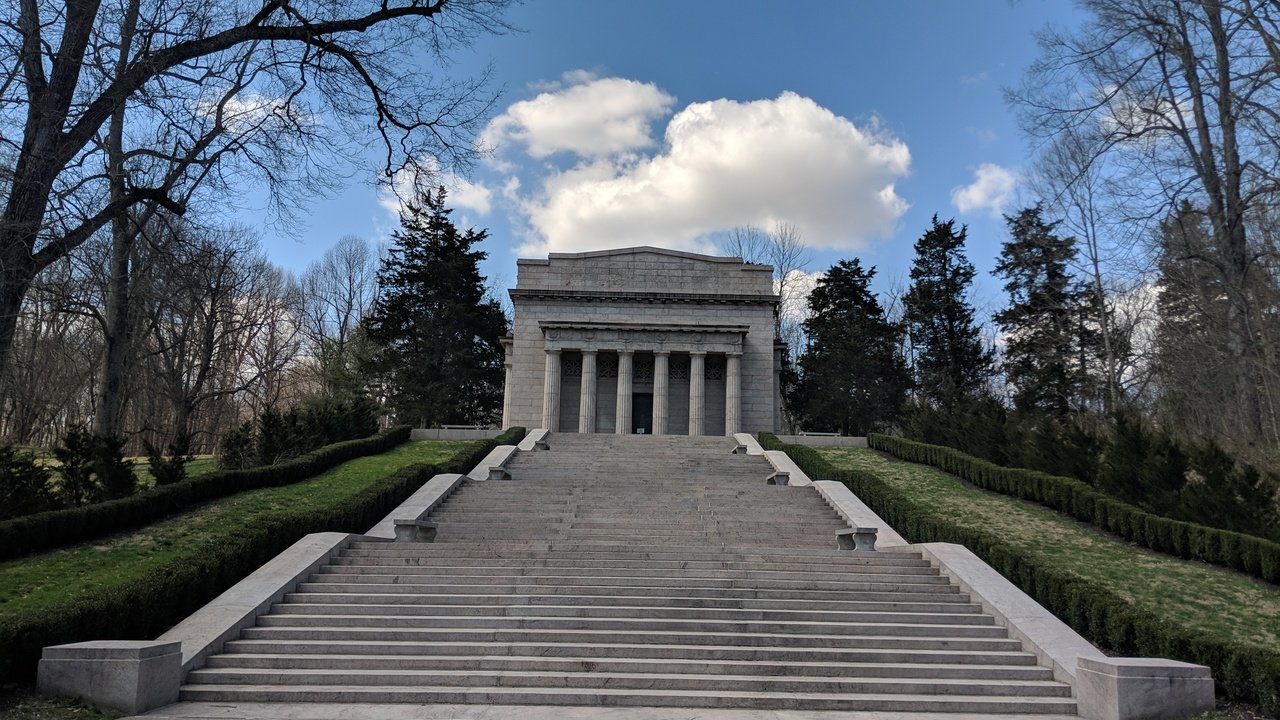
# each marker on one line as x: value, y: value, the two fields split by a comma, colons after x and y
x: 852, y: 375
x: 436, y: 334
x: 1047, y: 344
x: 951, y: 363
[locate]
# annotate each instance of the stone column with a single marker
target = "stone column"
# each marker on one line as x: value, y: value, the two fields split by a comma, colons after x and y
x: 587, y: 405
x: 506, y: 395
x: 660, y: 391
x: 551, y: 392
x: 732, y: 393
x: 623, y: 425
x: 697, y: 399
x: 507, y: 391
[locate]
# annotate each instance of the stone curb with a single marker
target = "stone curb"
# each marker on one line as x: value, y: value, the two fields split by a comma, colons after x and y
x: 532, y: 438
x: 782, y: 463
x: 497, y: 457
x: 856, y: 513
x: 417, y: 505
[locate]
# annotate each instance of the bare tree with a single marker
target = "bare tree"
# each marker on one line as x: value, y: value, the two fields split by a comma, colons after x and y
x: 337, y: 290
x: 782, y: 247
x: 1182, y: 95
x: 69, y: 68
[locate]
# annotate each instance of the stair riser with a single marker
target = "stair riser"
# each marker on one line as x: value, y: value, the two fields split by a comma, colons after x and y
x: 595, y: 680
x: 659, y: 613
x: 614, y: 650
x: 939, y: 641
x: 599, y: 699
x: 553, y: 665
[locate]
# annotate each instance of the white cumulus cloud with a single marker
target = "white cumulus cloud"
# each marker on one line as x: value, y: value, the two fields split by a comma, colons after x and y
x: 460, y: 193
x: 724, y: 164
x: 593, y: 118
x: 992, y: 189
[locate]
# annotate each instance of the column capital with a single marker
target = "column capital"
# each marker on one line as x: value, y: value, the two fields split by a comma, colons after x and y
x: 591, y: 351
x: 552, y: 351
x: 662, y: 352
x: 698, y: 353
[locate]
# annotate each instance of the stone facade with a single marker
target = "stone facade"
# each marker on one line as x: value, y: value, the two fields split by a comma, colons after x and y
x: 642, y: 340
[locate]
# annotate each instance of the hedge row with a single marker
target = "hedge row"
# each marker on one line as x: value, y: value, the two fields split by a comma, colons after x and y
x: 55, y: 528
x: 1248, y: 554
x: 1242, y: 672
x: 158, y: 600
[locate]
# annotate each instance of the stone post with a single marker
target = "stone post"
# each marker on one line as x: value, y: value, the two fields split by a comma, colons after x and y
x: 551, y: 392
x: 587, y: 405
x: 506, y: 381
x: 697, y: 399
x: 623, y: 425
x: 660, y: 391
x: 733, y: 393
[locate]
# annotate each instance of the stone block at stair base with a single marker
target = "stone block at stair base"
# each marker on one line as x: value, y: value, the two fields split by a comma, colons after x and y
x: 862, y: 539
x: 408, y: 530
x: 499, y: 473
x: 1141, y: 689
x: 125, y: 675
x: 778, y: 478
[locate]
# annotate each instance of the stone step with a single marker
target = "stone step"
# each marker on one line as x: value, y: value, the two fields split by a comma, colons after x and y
x: 703, y: 682
x: 619, y: 550
x: 607, y: 697
x: 543, y: 576
x: 870, y: 592
x: 534, y: 663
x: 896, y: 626
x: 857, y: 564
x: 868, y: 601
x: 967, y: 614
x: 929, y: 637
x: 616, y: 570
x: 610, y: 649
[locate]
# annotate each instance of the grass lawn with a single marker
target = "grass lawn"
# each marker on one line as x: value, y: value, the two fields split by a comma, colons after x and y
x: 38, y: 582
x: 1194, y: 594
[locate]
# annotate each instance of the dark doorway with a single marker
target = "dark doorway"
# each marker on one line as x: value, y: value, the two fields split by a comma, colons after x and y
x: 642, y: 413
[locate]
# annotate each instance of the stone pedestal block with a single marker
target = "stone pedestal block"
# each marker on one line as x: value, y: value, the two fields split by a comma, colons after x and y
x: 862, y: 539
x: 782, y: 477
x: 1141, y: 689
x: 415, y: 531
x: 497, y: 472
x: 125, y: 675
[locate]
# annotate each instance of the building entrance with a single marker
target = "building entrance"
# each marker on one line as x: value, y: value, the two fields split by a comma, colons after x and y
x: 642, y: 413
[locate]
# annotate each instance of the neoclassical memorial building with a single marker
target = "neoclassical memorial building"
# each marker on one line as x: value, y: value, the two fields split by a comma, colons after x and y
x: 643, y: 340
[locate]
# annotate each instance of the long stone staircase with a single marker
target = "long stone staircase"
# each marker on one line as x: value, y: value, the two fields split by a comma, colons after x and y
x: 633, y: 571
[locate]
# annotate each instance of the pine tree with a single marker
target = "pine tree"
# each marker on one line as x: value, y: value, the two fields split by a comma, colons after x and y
x: 435, y: 333
x: 951, y: 363
x: 1048, y: 345
x: 852, y: 375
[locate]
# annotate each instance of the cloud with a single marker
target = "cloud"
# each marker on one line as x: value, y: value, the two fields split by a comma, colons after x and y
x: 594, y: 117
x: 723, y: 164
x: 992, y: 188
x: 461, y: 193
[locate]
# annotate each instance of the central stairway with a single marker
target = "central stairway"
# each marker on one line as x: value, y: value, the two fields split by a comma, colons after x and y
x: 633, y: 571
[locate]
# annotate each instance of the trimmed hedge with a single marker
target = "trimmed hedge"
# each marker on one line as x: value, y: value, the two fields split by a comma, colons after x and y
x: 55, y: 528
x: 1242, y: 672
x: 1247, y: 553
x: 157, y: 601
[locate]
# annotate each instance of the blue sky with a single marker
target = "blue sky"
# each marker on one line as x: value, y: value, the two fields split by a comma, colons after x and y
x: 660, y: 122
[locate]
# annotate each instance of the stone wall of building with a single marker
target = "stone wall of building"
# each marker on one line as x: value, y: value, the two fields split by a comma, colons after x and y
x: 642, y: 287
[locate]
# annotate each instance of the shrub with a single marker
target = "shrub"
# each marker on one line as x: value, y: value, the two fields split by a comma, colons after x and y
x: 93, y: 468
x: 161, y: 598
x: 171, y: 468
x: 1253, y: 555
x: 1242, y: 672
x: 24, y: 484
x: 47, y: 530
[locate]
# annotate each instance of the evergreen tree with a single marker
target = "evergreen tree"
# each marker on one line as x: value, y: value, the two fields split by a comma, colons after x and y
x: 436, y: 335
x: 852, y: 375
x: 1047, y: 346
x: 950, y: 361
